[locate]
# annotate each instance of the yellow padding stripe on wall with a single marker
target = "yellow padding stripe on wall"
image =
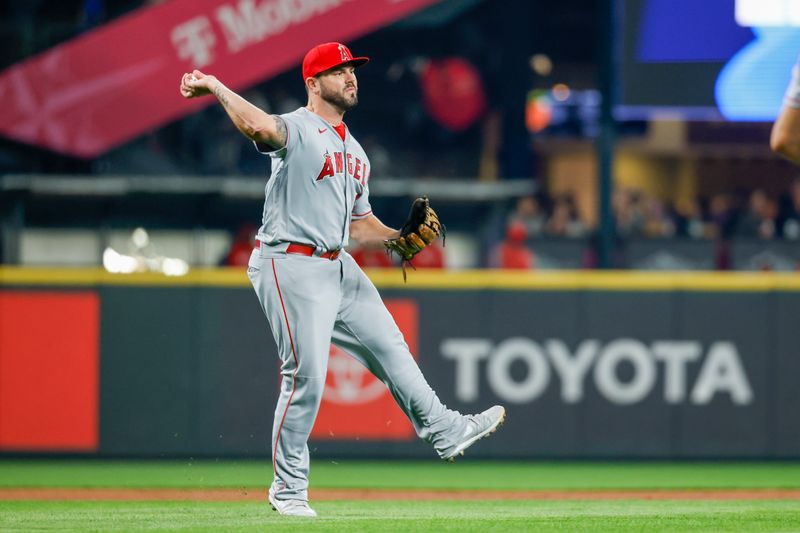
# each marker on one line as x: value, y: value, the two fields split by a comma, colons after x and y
x: 79, y: 277
x: 434, y: 279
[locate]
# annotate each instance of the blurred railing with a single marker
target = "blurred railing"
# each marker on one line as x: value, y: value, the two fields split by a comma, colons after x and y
x: 72, y: 220
x: 248, y: 187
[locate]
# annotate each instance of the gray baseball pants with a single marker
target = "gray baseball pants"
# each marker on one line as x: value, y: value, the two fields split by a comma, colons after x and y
x: 311, y: 302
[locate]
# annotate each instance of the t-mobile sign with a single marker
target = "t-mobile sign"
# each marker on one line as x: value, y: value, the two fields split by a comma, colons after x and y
x: 111, y: 84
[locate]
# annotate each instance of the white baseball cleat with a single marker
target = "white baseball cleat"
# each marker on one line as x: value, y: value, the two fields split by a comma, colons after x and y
x: 291, y: 507
x: 478, y: 426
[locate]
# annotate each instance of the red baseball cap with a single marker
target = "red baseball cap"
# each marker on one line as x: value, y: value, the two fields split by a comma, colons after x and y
x: 326, y: 56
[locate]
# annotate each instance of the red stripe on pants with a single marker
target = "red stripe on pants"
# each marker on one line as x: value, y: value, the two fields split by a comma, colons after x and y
x: 294, y: 374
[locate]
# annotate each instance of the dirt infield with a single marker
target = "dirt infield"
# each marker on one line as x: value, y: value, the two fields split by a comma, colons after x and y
x: 237, y: 495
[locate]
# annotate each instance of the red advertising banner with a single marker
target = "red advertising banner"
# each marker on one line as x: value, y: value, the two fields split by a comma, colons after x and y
x: 107, y: 86
x: 49, y: 371
x: 355, y: 404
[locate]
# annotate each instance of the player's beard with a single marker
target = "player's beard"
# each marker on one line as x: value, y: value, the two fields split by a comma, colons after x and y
x: 339, y: 99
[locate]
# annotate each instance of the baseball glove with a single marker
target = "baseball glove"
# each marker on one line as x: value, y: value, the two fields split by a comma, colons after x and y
x: 421, y: 228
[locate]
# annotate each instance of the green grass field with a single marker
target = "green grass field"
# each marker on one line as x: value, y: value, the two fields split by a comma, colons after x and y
x: 527, y: 515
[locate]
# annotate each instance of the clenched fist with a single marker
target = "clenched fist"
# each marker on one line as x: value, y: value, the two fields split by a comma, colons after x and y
x: 196, y: 84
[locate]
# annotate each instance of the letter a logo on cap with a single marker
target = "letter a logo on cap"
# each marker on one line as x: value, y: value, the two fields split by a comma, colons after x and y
x: 343, y: 50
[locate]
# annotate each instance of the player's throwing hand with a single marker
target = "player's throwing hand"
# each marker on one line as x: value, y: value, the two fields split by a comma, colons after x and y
x: 196, y: 84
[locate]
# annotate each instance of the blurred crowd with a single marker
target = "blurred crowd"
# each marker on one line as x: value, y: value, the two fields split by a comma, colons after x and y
x: 721, y: 217
x: 532, y: 220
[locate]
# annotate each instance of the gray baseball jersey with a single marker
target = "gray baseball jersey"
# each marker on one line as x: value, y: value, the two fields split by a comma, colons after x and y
x: 318, y: 185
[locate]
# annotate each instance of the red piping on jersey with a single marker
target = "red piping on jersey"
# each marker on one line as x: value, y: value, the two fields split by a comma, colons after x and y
x: 294, y: 374
x: 362, y: 214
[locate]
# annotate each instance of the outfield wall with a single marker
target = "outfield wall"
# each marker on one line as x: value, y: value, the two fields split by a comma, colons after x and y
x: 588, y: 364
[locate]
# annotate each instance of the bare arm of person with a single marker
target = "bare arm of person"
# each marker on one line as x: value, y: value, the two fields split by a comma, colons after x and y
x: 371, y: 232
x: 254, y: 123
x: 785, y: 137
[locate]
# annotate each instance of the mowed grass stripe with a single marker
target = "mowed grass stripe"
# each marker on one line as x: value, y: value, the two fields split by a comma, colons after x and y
x: 361, y: 494
x: 399, y: 516
x: 466, y: 474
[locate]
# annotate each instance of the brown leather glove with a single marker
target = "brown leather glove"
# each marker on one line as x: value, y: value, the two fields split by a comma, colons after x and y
x: 421, y: 228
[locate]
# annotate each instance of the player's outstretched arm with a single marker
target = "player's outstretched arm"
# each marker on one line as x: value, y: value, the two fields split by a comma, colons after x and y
x: 254, y: 123
x: 785, y: 137
x: 371, y: 232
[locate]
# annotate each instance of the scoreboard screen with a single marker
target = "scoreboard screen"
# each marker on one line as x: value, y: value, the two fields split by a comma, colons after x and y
x: 705, y: 59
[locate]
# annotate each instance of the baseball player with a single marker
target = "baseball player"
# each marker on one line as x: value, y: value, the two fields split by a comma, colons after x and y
x: 310, y: 288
